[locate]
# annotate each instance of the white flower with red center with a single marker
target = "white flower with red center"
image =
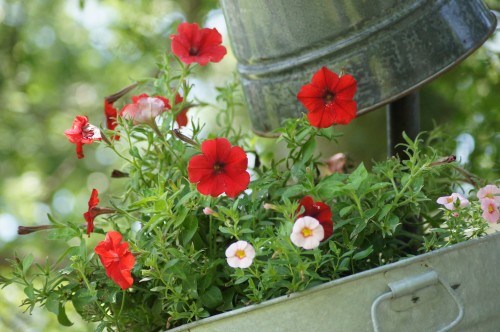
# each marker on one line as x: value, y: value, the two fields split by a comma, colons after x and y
x: 145, y: 108
x: 240, y: 254
x: 490, y: 210
x: 307, y: 233
x: 449, y: 202
x: 490, y: 192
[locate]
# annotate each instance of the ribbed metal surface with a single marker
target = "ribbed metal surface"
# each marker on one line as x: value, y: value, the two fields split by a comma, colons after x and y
x: 390, y: 46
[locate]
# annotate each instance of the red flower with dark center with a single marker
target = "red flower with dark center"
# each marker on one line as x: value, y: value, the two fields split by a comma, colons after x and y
x: 193, y: 44
x: 221, y: 168
x: 319, y: 211
x: 82, y: 132
x: 116, y: 259
x: 329, y: 98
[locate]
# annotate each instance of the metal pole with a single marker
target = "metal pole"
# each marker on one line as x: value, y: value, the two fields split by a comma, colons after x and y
x: 402, y: 115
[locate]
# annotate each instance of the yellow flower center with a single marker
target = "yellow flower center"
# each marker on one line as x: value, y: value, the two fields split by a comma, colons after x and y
x: 306, y: 232
x: 240, y: 254
x: 449, y: 199
x: 490, y: 208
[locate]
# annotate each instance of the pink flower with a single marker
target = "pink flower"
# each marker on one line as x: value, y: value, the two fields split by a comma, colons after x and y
x: 491, y: 192
x: 490, y: 210
x: 208, y: 211
x: 450, y: 201
x: 82, y: 132
x: 240, y: 254
x: 145, y: 108
x: 307, y: 233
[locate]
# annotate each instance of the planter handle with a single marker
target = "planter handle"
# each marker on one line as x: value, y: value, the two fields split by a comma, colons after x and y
x: 412, y: 284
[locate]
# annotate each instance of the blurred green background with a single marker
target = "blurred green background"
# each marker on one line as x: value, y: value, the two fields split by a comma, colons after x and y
x: 60, y: 58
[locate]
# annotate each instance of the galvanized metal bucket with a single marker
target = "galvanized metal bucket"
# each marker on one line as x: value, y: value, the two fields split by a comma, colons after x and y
x: 452, y: 288
x: 390, y: 46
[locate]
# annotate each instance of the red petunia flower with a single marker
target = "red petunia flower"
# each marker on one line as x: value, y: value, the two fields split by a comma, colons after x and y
x: 329, y: 98
x: 110, y: 111
x: 116, y: 259
x: 90, y: 214
x: 319, y: 211
x: 193, y: 44
x: 221, y: 168
x: 181, y: 118
x: 82, y: 132
x: 144, y: 108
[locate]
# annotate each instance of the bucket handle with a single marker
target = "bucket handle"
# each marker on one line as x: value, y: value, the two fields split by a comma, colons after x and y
x: 410, y: 285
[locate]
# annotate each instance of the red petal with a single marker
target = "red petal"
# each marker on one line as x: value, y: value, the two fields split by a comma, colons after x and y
x: 212, y: 185
x: 200, y: 167
x: 325, y: 79
x: 94, y: 200
x: 236, y: 183
x: 346, y: 87
x: 182, y: 118
x: 344, y: 111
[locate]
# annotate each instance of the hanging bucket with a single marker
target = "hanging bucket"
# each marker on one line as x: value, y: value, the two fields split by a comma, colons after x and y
x: 391, y: 47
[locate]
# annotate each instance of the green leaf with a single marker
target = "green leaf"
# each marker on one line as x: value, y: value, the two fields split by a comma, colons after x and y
x: 384, y: 211
x: 62, y: 318
x: 370, y: 213
x: 190, y: 228
x: 82, y: 300
x: 212, y: 297
x: 64, y: 234
x: 363, y: 254
x: 52, y: 303
x: 308, y: 149
x: 27, y: 262
x: 346, y: 210
x: 295, y: 190
x: 134, y: 152
x: 30, y: 292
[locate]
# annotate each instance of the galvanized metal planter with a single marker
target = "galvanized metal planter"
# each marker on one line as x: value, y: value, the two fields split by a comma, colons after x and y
x: 453, y: 288
x: 390, y: 46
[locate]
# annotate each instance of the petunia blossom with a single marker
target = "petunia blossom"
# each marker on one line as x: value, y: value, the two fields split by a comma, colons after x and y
x: 116, y: 259
x: 221, y: 168
x: 319, y: 211
x: 329, y: 98
x: 192, y: 44
x: 449, y: 202
x: 491, y: 192
x: 110, y: 111
x: 307, y: 233
x: 181, y: 118
x: 490, y: 210
x: 240, y: 254
x: 94, y: 211
x: 144, y: 108
x: 90, y: 215
x: 82, y: 132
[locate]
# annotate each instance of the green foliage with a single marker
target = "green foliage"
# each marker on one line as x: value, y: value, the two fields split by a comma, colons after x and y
x: 181, y: 274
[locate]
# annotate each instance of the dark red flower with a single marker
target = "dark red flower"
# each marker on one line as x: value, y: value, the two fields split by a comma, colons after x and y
x: 319, y: 211
x: 82, y: 132
x: 110, y: 111
x: 181, y: 118
x: 116, y: 259
x: 193, y: 44
x: 144, y: 108
x: 94, y: 211
x: 90, y: 214
x: 221, y: 168
x: 329, y: 98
